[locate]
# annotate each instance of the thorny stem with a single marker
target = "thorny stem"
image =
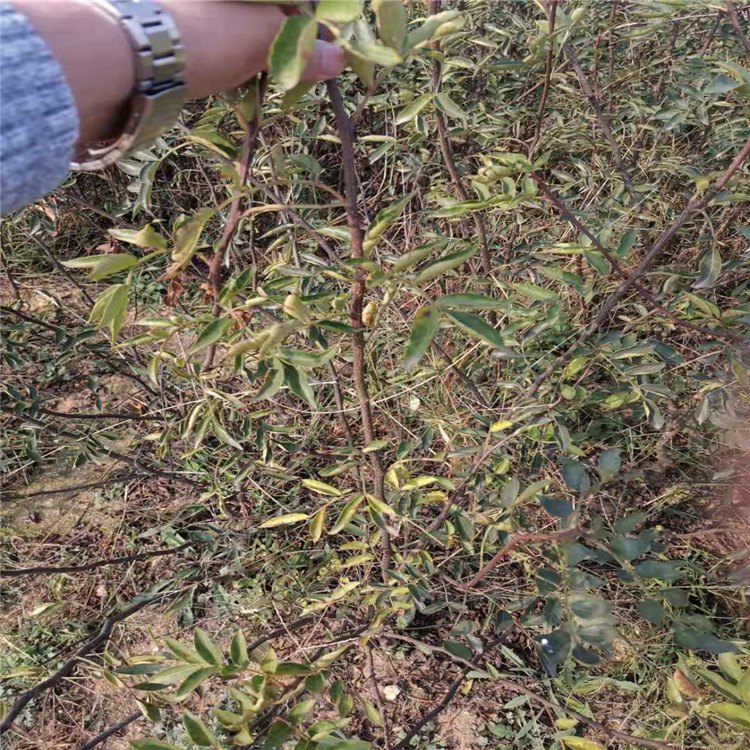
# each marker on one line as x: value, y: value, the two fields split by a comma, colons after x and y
x: 693, y: 205
x: 359, y: 364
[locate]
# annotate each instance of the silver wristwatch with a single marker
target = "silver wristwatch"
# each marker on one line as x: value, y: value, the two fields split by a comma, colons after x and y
x: 159, y: 91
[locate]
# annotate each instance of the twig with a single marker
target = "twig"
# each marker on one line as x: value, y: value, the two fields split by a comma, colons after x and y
x: 737, y: 26
x: 693, y: 205
x: 461, y: 374
x: 551, y: 16
x: 515, y: 687
x: 447, y: 151
x: 378, y: 697
x: 339, y: 398
x: 616, y: 267
x: 514, y: 542
x: 603, y: 122
x: 235, y: 214
x: 101, y: 415
x: 61, y: 268
x: 18, y: 572
x: 70, y: 665
x: 114, y: 729
x: 75, y: 487
x: 359, y: 365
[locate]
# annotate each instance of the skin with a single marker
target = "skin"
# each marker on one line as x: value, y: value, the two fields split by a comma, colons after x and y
x: 226, y: 43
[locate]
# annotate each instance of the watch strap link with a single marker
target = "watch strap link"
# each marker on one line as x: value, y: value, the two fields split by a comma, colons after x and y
x: 159, y: 91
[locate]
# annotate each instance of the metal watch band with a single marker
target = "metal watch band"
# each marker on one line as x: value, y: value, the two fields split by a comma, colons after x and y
x: 160, y: 90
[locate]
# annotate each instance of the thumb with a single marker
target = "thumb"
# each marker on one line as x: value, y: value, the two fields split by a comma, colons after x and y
x: 326, y: 61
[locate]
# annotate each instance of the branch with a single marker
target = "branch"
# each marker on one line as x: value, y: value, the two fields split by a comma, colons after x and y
x: 75, y: 487
x: 616, y: 267
x: 551, y: 17
x: 693, y: 205
x: 737, y: 26
x: 18, y: 572
x: 235, y: 214
x: 514, y: 542
x: 359, y: 364
x: 100, y: 415
x: 447, y: 151
x: 61, y: 268
x: 70, y: 665
x: 114, y: 729
x: 602, y: 120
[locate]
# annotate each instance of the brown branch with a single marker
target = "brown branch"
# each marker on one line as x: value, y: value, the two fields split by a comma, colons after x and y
x: 235, y: 214
x: 515, y: 687
x: 551, y: 17
x: 447, y: 151
x: 693, y: 205
x: 100, y: 415
x: 378, y: 698
x: 341, y: 409
x: 512, y: 544
x: 109, y: 731
x: 67, y: 668
x: 616, y: 267
x: 737, y: 26
x: 75, y: 487
x: 602, y: 120
x: 18, y: 572
x: 61, y: 268
x: 359, y: 364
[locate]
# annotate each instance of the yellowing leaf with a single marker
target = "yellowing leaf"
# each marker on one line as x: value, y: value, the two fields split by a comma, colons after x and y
x: 284, y: 520
x: 291, y: 49
x: 321, y: 488
x: 581, y: 743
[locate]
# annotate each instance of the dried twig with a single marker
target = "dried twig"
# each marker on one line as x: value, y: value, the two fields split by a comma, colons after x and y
x: 104, y: 634
x: 109, y: 731
x: 18, y: 572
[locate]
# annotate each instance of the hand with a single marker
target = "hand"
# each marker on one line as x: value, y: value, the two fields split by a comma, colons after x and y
x: 226, y: 43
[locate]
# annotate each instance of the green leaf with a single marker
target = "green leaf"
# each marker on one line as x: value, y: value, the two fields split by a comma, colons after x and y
x: 380, y: 506
x: 269, y: 663
x: 423, y: 329
x: 730, y: 667
x: 414, y: 256
x: 411, y: 110
x: 629, y: 548
x: 196, y: 678
x: 446, y: 263
x: 457, y: 649
x: 710, y: 269
x: 321, y: 488
x: 272, y: 383
x: 626, y: 243
x: 198, y: 732
x: 207, y: 649
x: 348, y: 512
x: 152, y: 744
x: 732, y: 712
x: 628, y: 523
x: 446, y: 105
x: 470, y: 301
x: 372, y: 714
x: 291, y: 49
x: 292, y: 97
x: 300, y: 385
x: 102, y: 265
x: 292, y: 669
x: 390, y: 16
x: 112, y: 313
x: 375, y: 445
x: 434, y: 27
x: 609, y: 463
x: 284, y: 520
x: 598, y: 261
x: 651, y: 610
x: 146, y: 237
x: 556, y: 507
x: 301, y: 711
x: 210, y: 334
x: 665, y: 571
x: 277, y: 735
x: 238, y: 650
x: 339, y: 11
x: 383, y: 220
x: 576, y: 476
x: 221, y: 432
x: 716, y: 681
x: 537, y: 292
x: 375, y: 52
x: 182, y: 652
x: 695, y: 639
x: 476, y: 326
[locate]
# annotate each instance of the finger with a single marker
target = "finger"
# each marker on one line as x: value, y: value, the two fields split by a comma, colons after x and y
x: 326, y: 61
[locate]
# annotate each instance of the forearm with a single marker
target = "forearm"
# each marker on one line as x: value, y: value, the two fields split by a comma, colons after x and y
x: 225, y: 44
